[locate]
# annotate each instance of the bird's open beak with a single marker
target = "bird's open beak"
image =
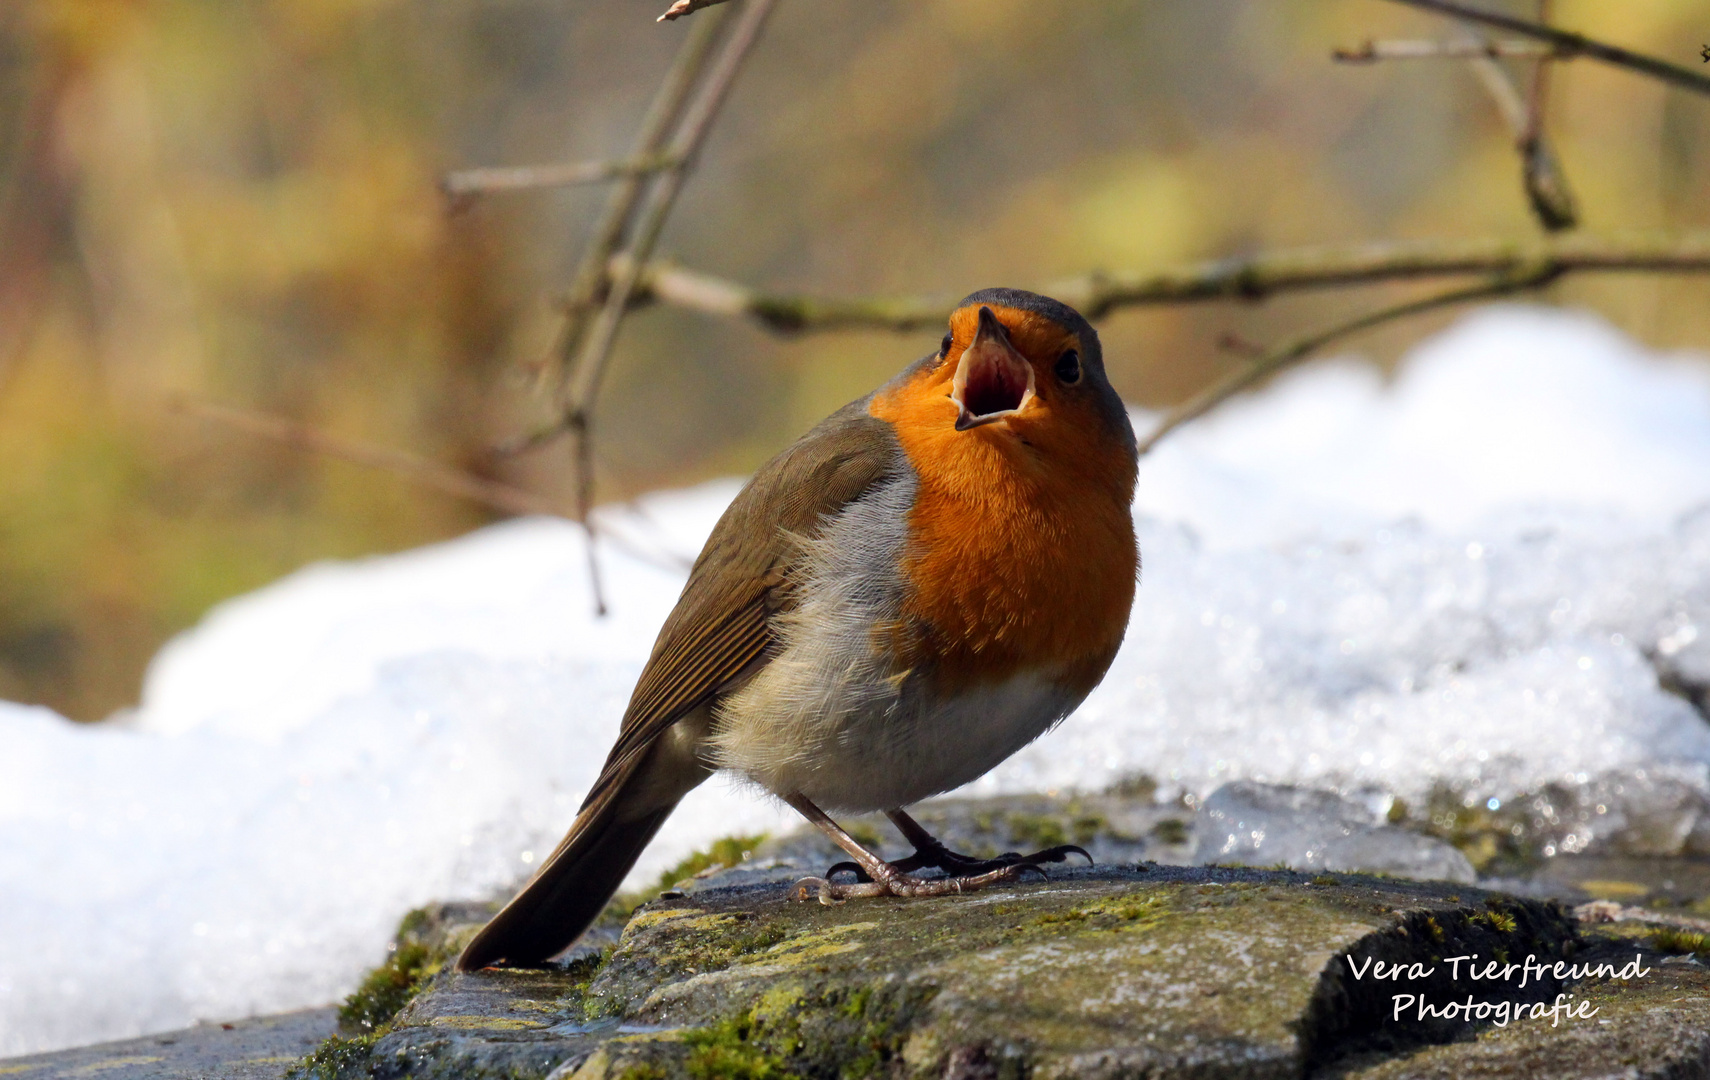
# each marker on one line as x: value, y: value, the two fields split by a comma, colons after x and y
x: 992, y: 379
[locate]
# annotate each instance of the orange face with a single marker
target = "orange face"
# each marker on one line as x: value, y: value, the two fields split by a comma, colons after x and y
x: 1014, y: 383
x: 1025, y: 556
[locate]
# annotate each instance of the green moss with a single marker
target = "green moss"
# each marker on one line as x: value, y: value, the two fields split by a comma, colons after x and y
x: 1135, y: 786
x: 731, y: 1050
x: 857, y: 1003
x: 1500, y: 921
x: 1038, y: 831
x: 1506, y: 840
x: 338, y: 1058
x: 1171, y: 831
x: 1673, y: 939
x: 580, y: 973
x: 730, y: 851
x: 388, y: 988
x: 727, y: 852
x: 1105, y: 914
x: 418, y: 952
x: 1326, y: 879
x: 1086, y: 827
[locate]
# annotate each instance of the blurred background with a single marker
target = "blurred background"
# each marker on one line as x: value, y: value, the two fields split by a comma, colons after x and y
x: 236, y: 201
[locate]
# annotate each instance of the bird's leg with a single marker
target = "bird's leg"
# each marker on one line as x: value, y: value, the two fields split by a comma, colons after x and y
x: 930, y: 851
x: 887, y: 880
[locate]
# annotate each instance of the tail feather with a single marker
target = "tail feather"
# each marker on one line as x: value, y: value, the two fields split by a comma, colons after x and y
x: 572, y: 888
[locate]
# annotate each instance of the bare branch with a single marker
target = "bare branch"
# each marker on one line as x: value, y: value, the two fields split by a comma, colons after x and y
x: 1541, y: 174
x: 590, y: 366
x: 1570, y: 44
x: 486, y: 181
x: 1503, y: 93
x: 1254, y: 278
x: 494, y: 494
x: 662, y: 116
x: 490, y: 493
x: 1541, y: 170
x: 685, y: 7
x: 1373, y: 51
x: 1296, y: 351
x: 1538, y: 93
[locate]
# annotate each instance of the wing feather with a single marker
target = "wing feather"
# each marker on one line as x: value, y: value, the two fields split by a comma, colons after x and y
x: 721, y: 626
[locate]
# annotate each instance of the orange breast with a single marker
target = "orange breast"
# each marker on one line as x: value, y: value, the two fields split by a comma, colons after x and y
x: 1023, y: 553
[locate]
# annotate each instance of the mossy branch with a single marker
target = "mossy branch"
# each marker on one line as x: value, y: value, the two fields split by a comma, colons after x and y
x: 1258, y: 277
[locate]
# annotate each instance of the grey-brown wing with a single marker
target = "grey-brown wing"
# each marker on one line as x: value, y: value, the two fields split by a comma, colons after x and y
x: 721, y: 624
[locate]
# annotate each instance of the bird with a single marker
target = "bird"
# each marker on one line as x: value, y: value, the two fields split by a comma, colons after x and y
x: 928, y: 580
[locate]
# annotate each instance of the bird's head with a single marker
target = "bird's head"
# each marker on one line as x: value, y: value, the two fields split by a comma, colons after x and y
x: 1023, y: 374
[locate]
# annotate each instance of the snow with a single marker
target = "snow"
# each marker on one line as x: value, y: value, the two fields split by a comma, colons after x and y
x: 1461, y: 579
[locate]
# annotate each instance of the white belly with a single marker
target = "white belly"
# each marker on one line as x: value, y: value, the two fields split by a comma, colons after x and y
x: 888, y: 752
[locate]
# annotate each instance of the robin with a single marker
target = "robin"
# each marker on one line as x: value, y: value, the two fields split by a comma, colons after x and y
x: 927, y: 581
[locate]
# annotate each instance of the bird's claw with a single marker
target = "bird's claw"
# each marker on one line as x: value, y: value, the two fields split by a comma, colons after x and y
x: 810, y: 888
x: 831, y: 893
x: 961, y: 873
x: 1060, y: 853
x: 848, y: 867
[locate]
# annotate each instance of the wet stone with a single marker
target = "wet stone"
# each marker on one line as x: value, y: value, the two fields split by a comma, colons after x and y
x: 259, y: 1049
x: 1145, y: 970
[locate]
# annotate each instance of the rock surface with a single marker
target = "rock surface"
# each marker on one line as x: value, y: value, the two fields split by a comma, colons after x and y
x: 1130, y: 968
x: 1107, y: 972
x: 259, y: 1049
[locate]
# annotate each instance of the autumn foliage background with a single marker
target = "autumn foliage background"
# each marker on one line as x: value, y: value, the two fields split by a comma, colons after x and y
x: 236, y: 201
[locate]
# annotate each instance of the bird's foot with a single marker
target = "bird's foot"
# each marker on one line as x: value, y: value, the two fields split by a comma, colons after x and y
x: 955, y: 864
x: 891, y: 881
x: 951, y: 862
x: 876, y: 877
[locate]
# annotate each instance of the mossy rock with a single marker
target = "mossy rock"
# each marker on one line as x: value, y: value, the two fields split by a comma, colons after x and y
x: 1106, y: 972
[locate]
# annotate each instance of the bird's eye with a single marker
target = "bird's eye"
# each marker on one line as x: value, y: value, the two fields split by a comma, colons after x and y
x: 944, y: 346
x: 1069, y: 367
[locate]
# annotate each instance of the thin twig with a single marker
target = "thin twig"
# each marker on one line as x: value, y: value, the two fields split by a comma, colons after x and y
x: 1541, y: 174
x: 1541, y: 170
x: 1572, y: 44
x: 1537, y: 94
x: 1503, y: 93
x: 494, y: 494
x: 1254, y: 278
x: 487, y: 181
x: 685, y: 7
x: 590, y: 366
x: 1372, y: 51
x: 663, y: 113
x: 1296, y: 351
